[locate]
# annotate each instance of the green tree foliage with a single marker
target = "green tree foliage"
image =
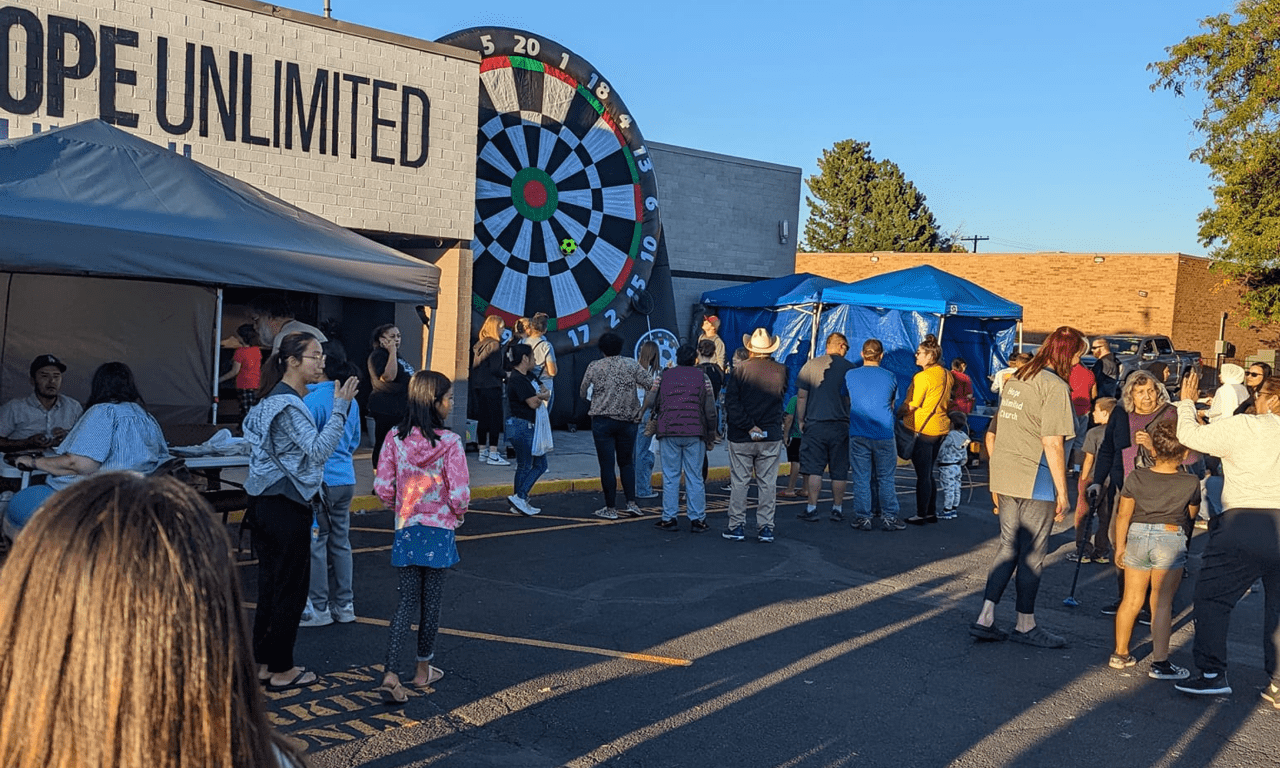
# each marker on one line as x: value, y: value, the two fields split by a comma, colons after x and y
x: 859, y: 204
x: 1235, y: 63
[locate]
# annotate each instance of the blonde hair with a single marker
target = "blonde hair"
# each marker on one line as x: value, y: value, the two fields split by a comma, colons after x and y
x: 123, y: 641
x: 492, y: 328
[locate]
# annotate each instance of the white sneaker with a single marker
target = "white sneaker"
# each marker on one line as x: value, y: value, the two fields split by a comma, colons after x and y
x: 344, y: 613
x: 521, y: 506
x: 497, y: 460
x: 608, y: 513
x: 532, y: 509
x: 313, y: 618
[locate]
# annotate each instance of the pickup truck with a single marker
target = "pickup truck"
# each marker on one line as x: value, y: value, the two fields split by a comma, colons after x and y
x: 1144, y: 352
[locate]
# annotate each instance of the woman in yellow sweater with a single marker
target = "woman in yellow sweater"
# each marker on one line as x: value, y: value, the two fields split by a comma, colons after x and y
x: 925, y: 412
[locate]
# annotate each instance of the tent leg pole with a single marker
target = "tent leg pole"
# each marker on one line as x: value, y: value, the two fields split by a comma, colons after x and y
x: 813, y: 337
x: 431, y: 339
x: 942, y: 323
x: 1019, y: 337
x: 217, y: 348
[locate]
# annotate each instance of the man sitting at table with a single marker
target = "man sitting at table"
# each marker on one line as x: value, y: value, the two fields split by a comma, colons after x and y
x: 39, y: 420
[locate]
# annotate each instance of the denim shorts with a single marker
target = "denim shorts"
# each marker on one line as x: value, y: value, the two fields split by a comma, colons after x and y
x: 1155, y: 547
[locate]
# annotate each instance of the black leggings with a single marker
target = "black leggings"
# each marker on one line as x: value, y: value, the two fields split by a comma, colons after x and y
x: 923, y: 456
x: 382, y: 424
x: 282, y: 538
x: 420, y: 587
x: 488, y: 416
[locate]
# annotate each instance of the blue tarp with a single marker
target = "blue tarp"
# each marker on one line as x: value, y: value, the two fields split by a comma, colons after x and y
x: 784, y: 306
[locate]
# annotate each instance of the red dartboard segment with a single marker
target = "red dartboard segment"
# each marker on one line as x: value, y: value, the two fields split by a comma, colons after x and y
x: 623, y: 274
x: 577, y: 318
x: 639, y: 204
x: 507, y: 317
x: 561, y: 76
x: 497, y: 62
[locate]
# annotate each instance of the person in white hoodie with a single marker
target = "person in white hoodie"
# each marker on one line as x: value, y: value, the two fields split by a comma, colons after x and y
x: 1229, y: 395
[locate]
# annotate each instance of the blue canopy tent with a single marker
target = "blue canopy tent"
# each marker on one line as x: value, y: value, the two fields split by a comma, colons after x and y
x: 900, y: 308
x: 785, y: 306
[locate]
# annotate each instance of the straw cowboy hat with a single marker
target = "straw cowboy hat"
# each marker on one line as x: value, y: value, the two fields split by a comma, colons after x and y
x: 760, y: 342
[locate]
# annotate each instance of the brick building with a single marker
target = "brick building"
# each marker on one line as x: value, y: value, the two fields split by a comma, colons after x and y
x: 1099, y: 293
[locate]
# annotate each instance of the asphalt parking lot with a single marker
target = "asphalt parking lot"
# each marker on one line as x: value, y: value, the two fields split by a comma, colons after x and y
x: 569, y: 640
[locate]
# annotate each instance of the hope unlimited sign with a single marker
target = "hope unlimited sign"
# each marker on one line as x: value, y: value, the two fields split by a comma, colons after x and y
x: 566, y: 201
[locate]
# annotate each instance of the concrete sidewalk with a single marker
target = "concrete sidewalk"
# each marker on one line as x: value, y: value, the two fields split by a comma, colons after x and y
x: 572, y: 466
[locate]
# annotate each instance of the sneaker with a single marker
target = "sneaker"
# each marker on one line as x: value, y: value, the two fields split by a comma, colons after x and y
x: 647, y: 496
x: 735, y: 533
x: 1101, y: 558
x: 1205, y: 684
x: 521, y: 506
x: 344, y: 613
x: 861, y: 524
x: 497, y: 461
x: 532, y: 509
x: 1110, y: 610
x: 809, y: 516
x: 892, y: 524
x: 1144, y: 617
x: 633, y: 510
x: 1038, y: 637
x: 608, y: 513
x: 837, y: 516
x: 948, y: 514
x: 1076, y: 557
x: 699, y: 526
x: 1120, y: 662
x: 1167, y: 670
x: 668, y: 525
x: 1272, y: 694
x: 312, y: 618
x: 766, y: 534
x: 1202, y: 525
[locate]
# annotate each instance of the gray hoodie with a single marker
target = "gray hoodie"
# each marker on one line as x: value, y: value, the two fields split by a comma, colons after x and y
x: 283, y: 438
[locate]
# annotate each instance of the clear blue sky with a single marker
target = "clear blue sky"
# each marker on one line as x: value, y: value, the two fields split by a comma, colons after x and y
x: 1030, y: 123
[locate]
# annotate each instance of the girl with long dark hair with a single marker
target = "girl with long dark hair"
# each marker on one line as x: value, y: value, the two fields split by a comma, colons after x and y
x: 423, y: 477
x: 286, y: 490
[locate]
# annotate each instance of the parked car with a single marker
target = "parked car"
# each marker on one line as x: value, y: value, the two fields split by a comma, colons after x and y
x: 1150, y: 352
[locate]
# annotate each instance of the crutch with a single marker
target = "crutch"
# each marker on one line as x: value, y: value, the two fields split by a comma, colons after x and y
x: 1094, y: 504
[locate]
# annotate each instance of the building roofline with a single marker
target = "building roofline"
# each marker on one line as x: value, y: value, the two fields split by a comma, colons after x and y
x: 722, y: 158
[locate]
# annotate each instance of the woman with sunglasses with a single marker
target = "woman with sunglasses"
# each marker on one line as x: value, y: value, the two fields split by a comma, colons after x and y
x: 1253, y: 378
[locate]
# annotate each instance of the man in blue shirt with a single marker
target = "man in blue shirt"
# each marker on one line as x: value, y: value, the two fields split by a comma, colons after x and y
x: 873, y: 455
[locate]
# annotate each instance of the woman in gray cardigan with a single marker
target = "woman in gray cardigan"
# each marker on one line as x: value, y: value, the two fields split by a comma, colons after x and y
x: 286, y: 470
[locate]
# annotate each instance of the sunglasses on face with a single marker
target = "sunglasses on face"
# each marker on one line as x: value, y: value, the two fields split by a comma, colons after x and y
x: 1251, y: 374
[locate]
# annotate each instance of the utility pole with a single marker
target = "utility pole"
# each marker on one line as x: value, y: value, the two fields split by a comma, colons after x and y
x: 974, y: 239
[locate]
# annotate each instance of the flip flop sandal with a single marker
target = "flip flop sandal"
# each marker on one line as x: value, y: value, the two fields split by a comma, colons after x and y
x: 393, y: 694
x: 990, y: 633
x: 434, y: 675
x: 301, y: 680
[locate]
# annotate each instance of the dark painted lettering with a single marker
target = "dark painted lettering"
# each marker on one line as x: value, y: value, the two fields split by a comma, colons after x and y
x: 162, y: 89
x: 209, y: 76
x: 406, y: 96
x: 275, y: 108
x: 56, y: 62
x: 337, y: 94
x: 246, y: 106
x: 356, y: 81
x: 318, y: 109
x: 379, y: 86
x: 111, y: 75
x: 33, y: 92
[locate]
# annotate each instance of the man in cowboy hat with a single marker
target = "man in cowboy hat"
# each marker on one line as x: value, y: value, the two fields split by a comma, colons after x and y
x: 753, y: 401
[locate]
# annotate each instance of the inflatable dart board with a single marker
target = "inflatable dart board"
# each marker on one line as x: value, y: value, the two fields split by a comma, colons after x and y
x: 567, y: 214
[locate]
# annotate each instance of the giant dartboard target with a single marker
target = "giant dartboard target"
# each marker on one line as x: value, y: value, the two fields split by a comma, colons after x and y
x: 566, y: 202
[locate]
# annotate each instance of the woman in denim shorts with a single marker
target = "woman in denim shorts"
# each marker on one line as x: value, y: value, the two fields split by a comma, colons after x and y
x: 1156, y: 505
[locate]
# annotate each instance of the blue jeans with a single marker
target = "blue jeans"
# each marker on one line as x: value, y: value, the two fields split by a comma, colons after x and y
x: 615, y: 441
x: 528, y: 467
x: 683, y: 454
x: 23, y: 506
x: 644, y: 459
x: 873, y: 461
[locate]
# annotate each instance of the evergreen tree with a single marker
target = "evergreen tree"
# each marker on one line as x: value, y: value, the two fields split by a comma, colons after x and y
x: 1235, y: 62
x: 859, y: 204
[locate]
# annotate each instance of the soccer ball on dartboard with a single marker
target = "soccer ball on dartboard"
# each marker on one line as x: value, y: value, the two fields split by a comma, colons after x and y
x: 568, y: 246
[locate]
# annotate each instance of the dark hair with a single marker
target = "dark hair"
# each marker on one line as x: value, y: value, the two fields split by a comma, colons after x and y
x: 247, y: 333
x: 707, y: 348
x: 1020, y: 359
x: 427, y: 389
x: 336, y: 365
x: 271, y: 305
x: 686, y: 355
x: 113, y: 383
x: 376, y: 338
x: 1266, y: 374
x: 1164, y: 439
x: 121, y: 601
x: 1058, y: 352
x: 514, y: 354
x: 872, y: 349
x: 1105, y: 404
x: 740, y: 354
x: 959, y: 421
x: 292, y: 345
x: 958, y: 363
x: 929, y: 345
x: 610, y: 344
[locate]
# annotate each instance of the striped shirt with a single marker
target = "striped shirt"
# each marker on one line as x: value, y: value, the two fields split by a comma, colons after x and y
x: 118, y: 436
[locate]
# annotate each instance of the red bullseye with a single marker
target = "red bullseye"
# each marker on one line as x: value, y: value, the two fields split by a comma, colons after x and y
x: 535, y: 194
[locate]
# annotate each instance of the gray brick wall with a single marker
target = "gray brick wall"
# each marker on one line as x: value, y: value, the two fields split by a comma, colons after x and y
x: 721, y: 217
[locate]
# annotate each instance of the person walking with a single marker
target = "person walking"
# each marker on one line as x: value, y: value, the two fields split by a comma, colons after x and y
x: 1245, y: 543
x: 873, y: 455
x: 753, y: 400
x: 1026, y: 442
x: 686, y: 428
x: 644, y: 459
x: 925, y: 413
x: 485, y: 380
x: 331, y: 544
x: 822, y: 411
x: 287, y: 454
x: 423, y: 476
x: 615, y: 412
x: 525, y: 394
